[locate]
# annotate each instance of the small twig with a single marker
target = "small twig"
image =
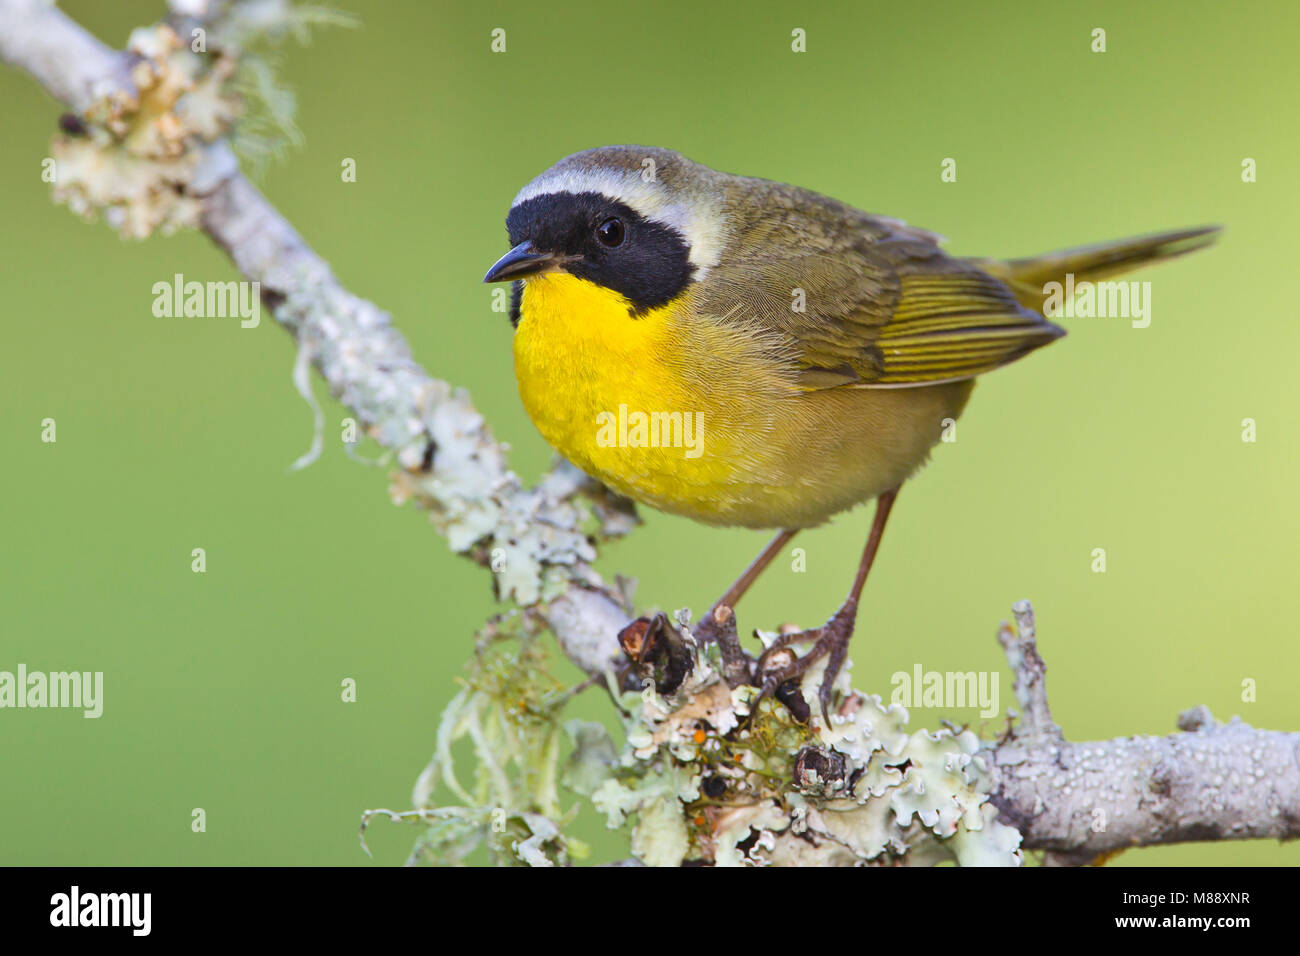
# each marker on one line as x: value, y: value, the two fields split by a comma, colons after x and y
x: 720, y: 625
x: 1030, y: 674
x: 1080, y: 801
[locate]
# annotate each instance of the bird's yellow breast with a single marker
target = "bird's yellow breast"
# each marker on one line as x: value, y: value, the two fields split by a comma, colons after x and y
x: 614, y: 394
x: 693, y: 416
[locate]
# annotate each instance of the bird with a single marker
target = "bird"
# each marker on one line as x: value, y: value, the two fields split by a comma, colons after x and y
x: 753, y: 354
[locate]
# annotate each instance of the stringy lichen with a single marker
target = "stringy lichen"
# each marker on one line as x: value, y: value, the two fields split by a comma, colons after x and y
x: 697, y: 781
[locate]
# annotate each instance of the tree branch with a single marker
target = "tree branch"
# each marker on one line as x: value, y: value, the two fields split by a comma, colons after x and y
x: 1077, y: 800
x: 1083, y: 800
x: 453, y: 465
x: 71, y: 64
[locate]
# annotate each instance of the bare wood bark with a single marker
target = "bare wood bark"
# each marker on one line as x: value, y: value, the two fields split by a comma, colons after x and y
x: 68, y: 61
x: 1077, y: 800
x: 1080, y: 801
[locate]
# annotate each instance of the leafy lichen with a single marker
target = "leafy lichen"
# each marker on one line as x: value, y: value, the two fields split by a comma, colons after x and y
x: 764, y: 788
x: 706, y: 776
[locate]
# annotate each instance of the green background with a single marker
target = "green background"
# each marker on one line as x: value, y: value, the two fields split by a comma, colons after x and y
x: 222, y: 689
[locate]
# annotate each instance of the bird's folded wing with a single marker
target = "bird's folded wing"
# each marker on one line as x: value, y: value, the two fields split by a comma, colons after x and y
x: 892, y: 313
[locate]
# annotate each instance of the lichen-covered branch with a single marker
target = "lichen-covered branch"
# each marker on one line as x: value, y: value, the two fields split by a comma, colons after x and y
x: 1081, y: 801
x: 451, y: 464
x: 700, y: 773
x: 1211, y: 782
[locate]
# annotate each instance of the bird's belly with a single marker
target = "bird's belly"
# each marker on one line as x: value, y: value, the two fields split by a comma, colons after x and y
x: 697, y: 430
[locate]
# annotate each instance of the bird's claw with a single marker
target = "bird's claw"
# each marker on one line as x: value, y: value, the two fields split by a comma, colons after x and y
x: 778, y: 663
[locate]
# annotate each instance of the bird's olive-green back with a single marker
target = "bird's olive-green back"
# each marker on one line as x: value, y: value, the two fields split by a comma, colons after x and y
x: 859, y: 299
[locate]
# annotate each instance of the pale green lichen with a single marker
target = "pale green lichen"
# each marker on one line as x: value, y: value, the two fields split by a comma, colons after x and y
x: 133, y: 153
x: 133, y: 158
x: 868, y: 791
x: 537, y: 541
x: 699, y: 778
x: 508, y: 713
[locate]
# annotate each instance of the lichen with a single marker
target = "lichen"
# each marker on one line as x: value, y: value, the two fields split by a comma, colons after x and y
x: 510, y: 714
x: 762, y: 788
x: 536, y: 541
x: 132, y: 159
x: 706, y: 774
x: 133, y: 154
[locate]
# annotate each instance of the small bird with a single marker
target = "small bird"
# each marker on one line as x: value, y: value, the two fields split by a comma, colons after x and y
x: 749, y: 353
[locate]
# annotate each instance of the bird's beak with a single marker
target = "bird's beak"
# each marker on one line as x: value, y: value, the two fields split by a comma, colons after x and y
x: 522, y: 260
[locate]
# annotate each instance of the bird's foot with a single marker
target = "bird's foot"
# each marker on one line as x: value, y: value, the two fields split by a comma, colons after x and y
x: 779, y: 668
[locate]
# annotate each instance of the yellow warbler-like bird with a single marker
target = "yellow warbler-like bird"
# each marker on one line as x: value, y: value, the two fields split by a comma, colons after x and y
x: 744, y: 352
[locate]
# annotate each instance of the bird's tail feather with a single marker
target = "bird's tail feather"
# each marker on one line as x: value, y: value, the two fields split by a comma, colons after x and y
x: 1027, y: 277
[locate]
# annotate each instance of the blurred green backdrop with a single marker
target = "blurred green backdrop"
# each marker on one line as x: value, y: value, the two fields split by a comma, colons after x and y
x: 222, y: 689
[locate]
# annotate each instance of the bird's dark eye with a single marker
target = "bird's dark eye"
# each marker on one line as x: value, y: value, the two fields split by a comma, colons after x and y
x: 610, y: 232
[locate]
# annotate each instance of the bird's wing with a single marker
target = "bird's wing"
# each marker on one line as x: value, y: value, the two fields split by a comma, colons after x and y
x: 884, y: 308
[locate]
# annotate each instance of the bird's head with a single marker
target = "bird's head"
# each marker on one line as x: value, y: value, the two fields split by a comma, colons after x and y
x: 639, y: 221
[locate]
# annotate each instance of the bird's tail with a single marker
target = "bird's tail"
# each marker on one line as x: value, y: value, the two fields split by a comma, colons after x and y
x: 1027, y: 278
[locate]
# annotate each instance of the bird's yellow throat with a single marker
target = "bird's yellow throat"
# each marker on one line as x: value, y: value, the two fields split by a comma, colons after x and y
x: 562, y: 317
x: 580, y: 355
x: 607, y: 389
